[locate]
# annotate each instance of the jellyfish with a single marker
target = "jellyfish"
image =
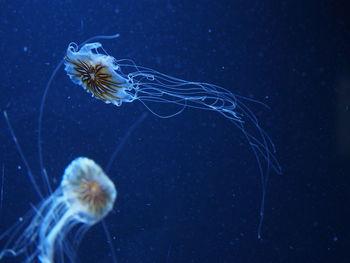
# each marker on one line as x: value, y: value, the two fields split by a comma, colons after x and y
x: 119, y: 81
x: 85, y: 196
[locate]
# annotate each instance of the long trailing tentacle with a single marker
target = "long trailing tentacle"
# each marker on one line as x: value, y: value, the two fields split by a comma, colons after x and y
x: 121, y: 143
x: 151, y: 86
x: 24, y: 159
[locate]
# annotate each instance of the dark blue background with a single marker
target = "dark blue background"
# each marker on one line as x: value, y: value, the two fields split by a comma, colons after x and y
x: 189, y: 187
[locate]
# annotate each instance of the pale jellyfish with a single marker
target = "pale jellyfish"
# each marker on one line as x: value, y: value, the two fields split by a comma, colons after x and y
x: 85, y: 196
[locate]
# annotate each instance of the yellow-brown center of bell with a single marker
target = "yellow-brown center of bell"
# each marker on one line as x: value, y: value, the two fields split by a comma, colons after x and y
x: 93, y: 195
x: 96, y: 78
x: 94, y: 189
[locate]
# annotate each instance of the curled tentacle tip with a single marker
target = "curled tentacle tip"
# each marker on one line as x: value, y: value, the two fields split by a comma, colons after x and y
x: 116, y: 35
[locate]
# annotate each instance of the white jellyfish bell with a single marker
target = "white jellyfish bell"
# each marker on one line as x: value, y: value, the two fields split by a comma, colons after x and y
x: 85, y: 196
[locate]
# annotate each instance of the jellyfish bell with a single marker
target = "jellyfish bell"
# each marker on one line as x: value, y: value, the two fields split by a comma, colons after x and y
x: 88, y: 190
x: 96, y: 73
x: 85, y: 196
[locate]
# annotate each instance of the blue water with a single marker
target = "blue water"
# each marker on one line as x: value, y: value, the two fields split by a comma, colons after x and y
x: 189, y: 187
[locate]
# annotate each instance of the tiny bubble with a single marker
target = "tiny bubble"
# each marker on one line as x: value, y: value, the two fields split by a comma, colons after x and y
x: 19, y: 167
x: 25, y: 49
